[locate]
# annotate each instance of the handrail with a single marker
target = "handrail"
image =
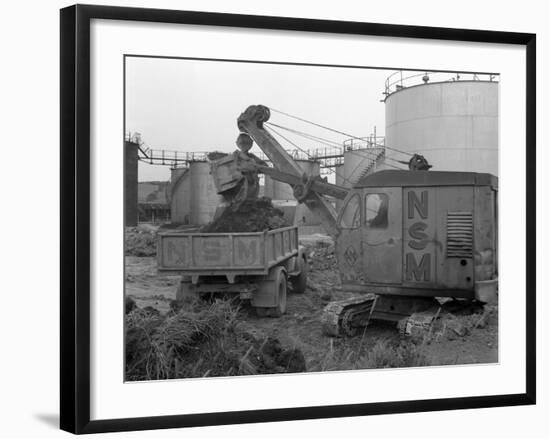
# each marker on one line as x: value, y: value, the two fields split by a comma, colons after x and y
x: 327, y: 156
x: 396, y: 81
x: 364, y: 143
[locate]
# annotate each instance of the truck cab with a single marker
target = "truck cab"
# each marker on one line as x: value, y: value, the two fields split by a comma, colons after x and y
x: 420, y: 233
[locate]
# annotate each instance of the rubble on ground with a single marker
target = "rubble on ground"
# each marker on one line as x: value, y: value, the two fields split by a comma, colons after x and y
x: 141, y: 240
x: 453, y: 320
x: 321, y: 255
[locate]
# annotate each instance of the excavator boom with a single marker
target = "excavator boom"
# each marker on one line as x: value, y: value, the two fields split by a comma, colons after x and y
x: 309, y: 190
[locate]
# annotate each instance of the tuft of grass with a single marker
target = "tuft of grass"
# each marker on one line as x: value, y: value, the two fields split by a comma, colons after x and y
x: 200, y: 339
x: 383, y: 354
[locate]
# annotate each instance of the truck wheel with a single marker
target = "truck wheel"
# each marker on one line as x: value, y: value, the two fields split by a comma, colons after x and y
x: 299, y: 283
x: 184, y: 293
x: 279, y: 290
x: 263, y: 312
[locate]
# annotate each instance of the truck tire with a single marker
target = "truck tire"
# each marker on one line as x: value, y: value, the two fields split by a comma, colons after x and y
x: 279, y: 287
x: 184, y: 293
x: 299, y: 283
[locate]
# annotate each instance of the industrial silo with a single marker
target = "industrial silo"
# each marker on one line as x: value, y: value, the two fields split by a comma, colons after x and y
x: 277, y: 190
x: 453, y: 124
x: 180, y: 195
x: 361, y: 162
x: 204, y: 198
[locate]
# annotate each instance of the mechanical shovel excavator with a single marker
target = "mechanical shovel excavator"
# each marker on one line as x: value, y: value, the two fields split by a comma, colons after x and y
x: 402, y: 238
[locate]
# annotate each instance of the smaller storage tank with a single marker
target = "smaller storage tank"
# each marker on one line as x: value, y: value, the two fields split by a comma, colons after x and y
x: 339, y: 180
x: 204, y: 198
x: 361, y: 162
x: 180, y: 196
x: 277, y: 190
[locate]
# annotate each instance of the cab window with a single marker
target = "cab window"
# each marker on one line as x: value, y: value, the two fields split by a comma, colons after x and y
x: 351, y: 216
x: 376, y: 210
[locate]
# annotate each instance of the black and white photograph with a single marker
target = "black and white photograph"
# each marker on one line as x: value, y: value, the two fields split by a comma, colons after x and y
x: 285, y: 218
x: 276, y: 219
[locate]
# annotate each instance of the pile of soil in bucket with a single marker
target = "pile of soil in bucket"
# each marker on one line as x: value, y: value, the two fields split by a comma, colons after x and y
x: 255, y: 215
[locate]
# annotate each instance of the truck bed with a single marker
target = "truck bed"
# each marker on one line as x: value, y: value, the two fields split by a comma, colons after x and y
x: 250, y: 253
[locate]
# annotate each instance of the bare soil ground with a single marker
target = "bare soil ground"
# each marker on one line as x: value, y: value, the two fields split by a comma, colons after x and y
x: 472, y: 337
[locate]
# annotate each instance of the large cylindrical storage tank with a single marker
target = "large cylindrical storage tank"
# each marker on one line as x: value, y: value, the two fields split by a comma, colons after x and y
x: 361, y: 162
x: 453, y: 124
x: 180, y: 196
x: 204, y: 198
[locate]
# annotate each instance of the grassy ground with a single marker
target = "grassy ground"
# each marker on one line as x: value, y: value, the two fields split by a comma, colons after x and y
x: 246, y: 344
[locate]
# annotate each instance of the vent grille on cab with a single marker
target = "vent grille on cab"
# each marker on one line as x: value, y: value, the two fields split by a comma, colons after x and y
x: 460, y: 234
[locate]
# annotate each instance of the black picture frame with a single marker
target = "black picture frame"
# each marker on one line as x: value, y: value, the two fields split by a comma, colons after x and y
x: 75, y: 216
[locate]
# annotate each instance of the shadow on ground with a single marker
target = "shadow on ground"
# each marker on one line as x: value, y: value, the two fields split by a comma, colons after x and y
x: 49, y: 419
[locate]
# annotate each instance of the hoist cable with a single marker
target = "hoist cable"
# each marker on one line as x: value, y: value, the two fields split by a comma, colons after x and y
x: 332, y: 144
x: 372, y: 155
x: 334, y: 130
x: 305, y: 152
x: 374, y: 159
x: 309, y: 136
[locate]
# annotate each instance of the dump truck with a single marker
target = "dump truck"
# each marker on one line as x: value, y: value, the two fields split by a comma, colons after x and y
x: 254, y: 266
x: 403, y: 237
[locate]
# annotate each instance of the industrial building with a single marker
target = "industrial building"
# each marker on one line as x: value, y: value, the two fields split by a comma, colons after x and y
x: 450, y: 119
x: 153, y: 205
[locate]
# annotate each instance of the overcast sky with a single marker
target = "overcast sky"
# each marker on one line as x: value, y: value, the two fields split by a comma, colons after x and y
x: 193, y: 105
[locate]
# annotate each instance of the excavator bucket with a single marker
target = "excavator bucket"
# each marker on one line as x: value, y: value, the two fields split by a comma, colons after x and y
x: 226, y: 174
x: 234, y: 180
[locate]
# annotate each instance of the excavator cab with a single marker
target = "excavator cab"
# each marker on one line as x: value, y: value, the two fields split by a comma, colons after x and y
x: 368, y: 246
x: 422, y: 234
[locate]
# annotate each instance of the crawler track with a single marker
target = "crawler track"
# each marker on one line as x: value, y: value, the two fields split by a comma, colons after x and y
x: 345, y: 317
